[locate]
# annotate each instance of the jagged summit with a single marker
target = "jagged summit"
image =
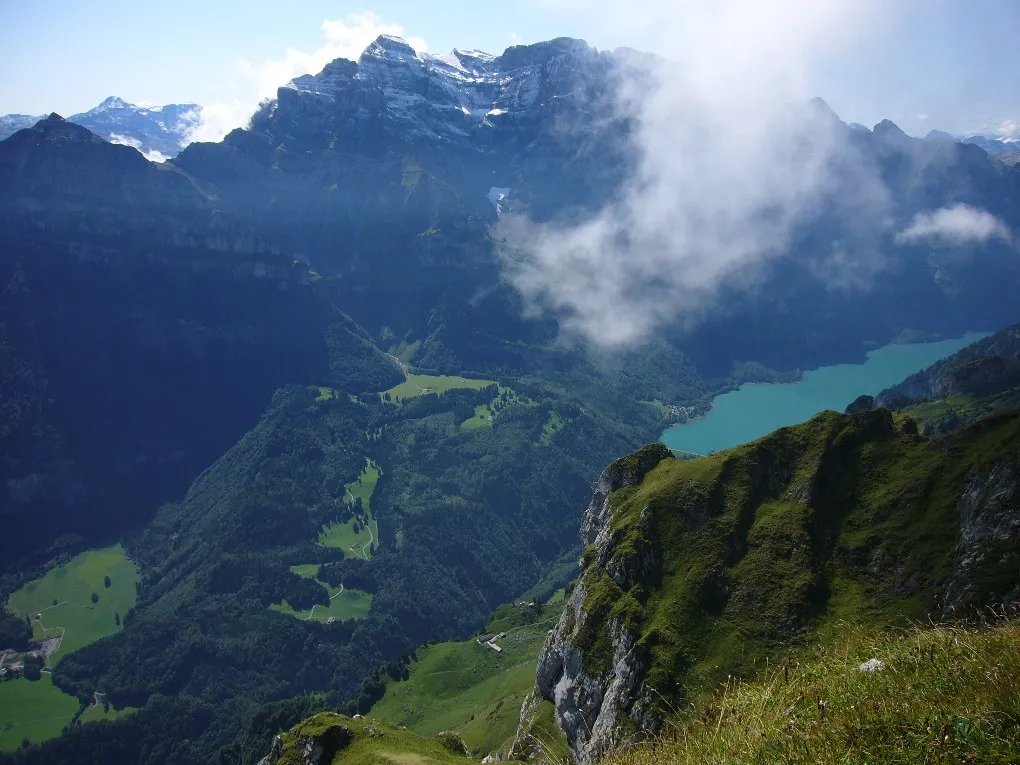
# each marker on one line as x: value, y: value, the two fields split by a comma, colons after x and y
x: 939, y: 135
x: 888, y: 128
x: 389, y: 46
x: 113, y: 102
x: 53, y: 129
x: 446, y: 96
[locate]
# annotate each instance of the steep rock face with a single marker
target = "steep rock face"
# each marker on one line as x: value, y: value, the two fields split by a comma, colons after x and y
x: 697, y: 570
x: 987, y: 553
x: 588, y: 704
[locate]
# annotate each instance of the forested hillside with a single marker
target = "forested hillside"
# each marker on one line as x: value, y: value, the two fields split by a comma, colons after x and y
x: 297, y: 374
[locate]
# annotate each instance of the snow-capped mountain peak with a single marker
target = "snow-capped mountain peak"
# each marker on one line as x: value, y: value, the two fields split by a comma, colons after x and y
x: 158, y: 132
x: 448, y: 95
x: 112, y: 102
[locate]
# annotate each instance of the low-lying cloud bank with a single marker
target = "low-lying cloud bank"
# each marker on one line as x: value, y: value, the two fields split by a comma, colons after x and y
x: 958, y: 224
x: 125, y: 140
x: 732, y: 156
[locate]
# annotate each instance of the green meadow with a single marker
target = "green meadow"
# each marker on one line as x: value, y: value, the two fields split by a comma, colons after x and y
x: 34, y: 710
x: 349, y: 604
x: 60, y: 603
x: 343, y: 605
x: 98, y: 713
x: 481, y: 419
x: 470, y: 688
x: 419, y: 385
x: 356, y: 543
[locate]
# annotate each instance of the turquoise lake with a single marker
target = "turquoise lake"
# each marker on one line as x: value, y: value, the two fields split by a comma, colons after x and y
x: 756, y: 409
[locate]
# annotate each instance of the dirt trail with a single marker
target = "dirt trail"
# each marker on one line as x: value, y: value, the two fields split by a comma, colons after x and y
x: 311, y: 614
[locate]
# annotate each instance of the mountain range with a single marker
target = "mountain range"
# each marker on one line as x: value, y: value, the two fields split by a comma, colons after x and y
x: 158, y: 132
x: 288, y: 371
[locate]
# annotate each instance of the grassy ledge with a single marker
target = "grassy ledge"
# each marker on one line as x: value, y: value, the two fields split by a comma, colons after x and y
x: 939, y: 695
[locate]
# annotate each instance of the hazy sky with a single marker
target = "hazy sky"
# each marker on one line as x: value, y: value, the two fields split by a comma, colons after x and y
x: 948, y: 64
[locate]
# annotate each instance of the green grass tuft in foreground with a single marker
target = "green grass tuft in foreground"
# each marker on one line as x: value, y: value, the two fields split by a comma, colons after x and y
x: 944, y: 695
x: 361, y: 742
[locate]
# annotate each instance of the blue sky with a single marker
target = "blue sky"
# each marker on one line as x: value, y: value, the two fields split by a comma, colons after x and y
x: 948, y: 64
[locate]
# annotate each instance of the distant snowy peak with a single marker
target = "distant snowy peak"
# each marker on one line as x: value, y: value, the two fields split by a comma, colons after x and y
x: 113, y: 102
x: 450, y: 96
x: 993, y: 144
x: 158, y: 132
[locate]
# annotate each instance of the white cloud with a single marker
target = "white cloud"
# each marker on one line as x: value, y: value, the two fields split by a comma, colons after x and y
x: 126, y: 140
x: 134, y: 143
x: 956, y: 225
x: 922, y: 117
x: 730, y: 160
x: 1007, y: 129
x: 346, y: 38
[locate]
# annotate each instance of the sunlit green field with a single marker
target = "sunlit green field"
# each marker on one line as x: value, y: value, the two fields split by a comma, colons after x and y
x: 60, y: 603
x: 34, y: 710
x: 349, y: 604
x: 418, y: 385
x: 98, y: 713
x: 356, y: 544
x: 481, y: 419
x: 470, y: 688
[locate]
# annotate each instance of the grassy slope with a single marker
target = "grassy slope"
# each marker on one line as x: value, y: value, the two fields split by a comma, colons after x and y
x: 943, y: 415
x: 72, y: 585
x: 945, y: 695
x: 342, y: 535
x: 414, y: 385
x: 470, y: 688
x: 99, y: 713
x: 348, y: 604
x: 39, y: 710
x: 781, y: 540
x: 481, y: 419
x: 33, y: 710
x: 372, y: 743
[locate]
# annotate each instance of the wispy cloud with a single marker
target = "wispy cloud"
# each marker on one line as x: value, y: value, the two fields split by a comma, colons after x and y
x: 731, y: 158
x: 126, y: 140
x: 344, y: 38
x: 956, y: 225
x: 1007, y: 129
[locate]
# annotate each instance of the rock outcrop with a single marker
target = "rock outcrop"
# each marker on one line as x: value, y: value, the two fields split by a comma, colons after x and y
x: 695, y: 571
x: 332, y: 739
x: 589, y: 704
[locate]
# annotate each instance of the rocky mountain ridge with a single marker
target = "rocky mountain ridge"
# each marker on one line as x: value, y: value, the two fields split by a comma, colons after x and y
x: 125, y: 294
x: 696, y: 570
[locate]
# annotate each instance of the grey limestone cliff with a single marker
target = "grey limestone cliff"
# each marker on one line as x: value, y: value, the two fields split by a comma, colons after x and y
x: 590, y: 705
